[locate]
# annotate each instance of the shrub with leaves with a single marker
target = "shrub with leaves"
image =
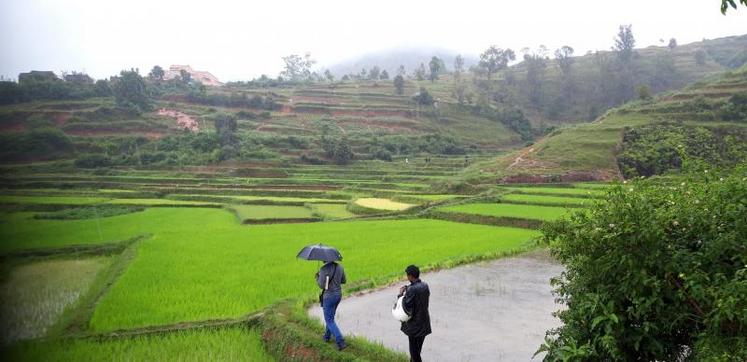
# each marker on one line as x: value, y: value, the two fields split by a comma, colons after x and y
x: 658, y: 272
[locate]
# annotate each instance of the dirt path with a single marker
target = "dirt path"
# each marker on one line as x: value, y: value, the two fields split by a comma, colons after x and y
x: 490, y: 311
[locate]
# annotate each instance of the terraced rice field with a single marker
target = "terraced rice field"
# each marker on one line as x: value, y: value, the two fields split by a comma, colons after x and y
x: 382, y: 204
x: 35, y: 295
x: 580, y: 192
x: 546, y: 200
x: 195, y: 261
x: 267, y: 212
x: 51, y: 200
x: 182, y: 272
x: 331, y: 211
x: 545, y: 213
x: 229, y: 344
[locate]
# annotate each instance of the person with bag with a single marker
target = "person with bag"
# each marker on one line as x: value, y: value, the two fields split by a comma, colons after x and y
x: 330, y: 278
x: 415, y: 299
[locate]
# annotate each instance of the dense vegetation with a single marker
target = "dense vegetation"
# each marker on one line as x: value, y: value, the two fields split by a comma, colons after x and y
x: 659, y: 272
x: 658, y: 149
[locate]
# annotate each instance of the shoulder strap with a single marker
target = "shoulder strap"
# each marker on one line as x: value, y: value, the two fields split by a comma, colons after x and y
x: 331, y: 277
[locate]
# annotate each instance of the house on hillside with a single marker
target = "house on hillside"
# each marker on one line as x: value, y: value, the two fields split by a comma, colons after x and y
x: 37, y: 76
x: 78, y: 78
x: 203, y: 77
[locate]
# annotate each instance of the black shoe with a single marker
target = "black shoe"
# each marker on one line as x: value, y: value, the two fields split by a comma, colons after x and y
x: 325, y: 339
x: 341, y: 346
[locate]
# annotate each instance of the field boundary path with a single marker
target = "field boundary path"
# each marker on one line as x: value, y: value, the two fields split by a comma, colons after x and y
x: 487, y: 311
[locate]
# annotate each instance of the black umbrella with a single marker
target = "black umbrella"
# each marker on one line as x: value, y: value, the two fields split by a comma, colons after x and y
x: 319, y: 252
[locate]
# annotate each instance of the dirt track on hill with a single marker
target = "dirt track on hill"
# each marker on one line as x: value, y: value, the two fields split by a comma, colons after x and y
x: 489, y: 311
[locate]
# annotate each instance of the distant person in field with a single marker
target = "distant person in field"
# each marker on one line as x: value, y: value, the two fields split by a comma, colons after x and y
x: 330, y: 278
x: 415, y: 304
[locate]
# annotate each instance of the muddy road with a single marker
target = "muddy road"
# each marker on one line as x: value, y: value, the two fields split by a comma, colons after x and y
x: 489, y: 311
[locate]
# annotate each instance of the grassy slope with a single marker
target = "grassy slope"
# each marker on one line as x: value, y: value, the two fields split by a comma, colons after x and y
x: 589, y: 149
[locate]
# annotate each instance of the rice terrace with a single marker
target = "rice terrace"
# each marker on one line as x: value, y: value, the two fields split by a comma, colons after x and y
x: 513, y: 203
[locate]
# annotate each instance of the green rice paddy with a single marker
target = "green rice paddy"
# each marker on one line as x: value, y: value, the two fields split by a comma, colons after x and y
x: 35, y: 295
x: 264, y: 212
x: 546, y: 213
x: 546, y: 200
x: 228, y: 344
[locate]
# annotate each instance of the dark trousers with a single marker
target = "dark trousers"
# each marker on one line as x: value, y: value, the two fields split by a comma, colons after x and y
x: 329, y: 306
x: 416, y: 345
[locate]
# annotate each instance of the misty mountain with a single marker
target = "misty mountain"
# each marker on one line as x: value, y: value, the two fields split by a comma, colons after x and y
x: 390, y: 60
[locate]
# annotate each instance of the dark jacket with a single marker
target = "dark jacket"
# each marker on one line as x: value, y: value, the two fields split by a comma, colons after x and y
x: 336, y: 274
x: 415, y: 304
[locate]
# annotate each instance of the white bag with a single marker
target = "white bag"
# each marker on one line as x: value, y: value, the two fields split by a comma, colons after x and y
x: 398, y: 312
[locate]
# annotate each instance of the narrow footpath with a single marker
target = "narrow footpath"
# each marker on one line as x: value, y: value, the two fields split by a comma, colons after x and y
x: 488, y: 311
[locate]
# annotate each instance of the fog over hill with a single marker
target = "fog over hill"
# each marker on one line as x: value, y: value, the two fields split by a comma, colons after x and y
x: 391, y: 59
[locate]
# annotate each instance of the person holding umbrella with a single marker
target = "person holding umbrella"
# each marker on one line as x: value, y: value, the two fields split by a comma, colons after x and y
x: 329, y: 278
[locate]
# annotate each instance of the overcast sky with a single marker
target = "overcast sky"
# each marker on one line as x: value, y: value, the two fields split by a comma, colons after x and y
x: 238, y: 40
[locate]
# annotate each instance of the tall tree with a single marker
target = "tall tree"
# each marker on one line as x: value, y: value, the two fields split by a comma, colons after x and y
x: 157, y: 73
x: 374, y: 73
x: 384, y: 75
x: 401, y: 70
x: 495, y: 59
x: 330, y: 77
x: 672, y: 43
x: 625, y: 44
x: 225, y: 127
x: 420, y: 72
x: 435, y: 67
x: 536, y: 63
x: 458, y: 65
x: 297, y: 68
x: 130, y: 90
x: 564, y: 57
x: 399, y: 84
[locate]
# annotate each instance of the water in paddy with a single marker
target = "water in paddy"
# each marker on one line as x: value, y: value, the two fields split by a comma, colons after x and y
x: 488, y: 311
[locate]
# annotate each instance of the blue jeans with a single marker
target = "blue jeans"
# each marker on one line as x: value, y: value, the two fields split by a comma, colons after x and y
x: 329, y: 306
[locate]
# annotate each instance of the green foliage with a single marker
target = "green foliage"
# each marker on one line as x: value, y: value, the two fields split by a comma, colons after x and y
x: 95, y: 160
x: 130, y: 91
x: 38, y: 144
x: 644, y: 92
x: 423, y: 97
x: 225, y: 127
x: 658, y: 149
x: 399, y: 84
x: 736, y: 108
x: 659, y: 272
x: 725, y: 4
x: 495, y: 59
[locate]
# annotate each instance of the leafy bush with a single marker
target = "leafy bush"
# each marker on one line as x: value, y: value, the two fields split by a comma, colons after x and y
x: 659, y: 272
x: 93, y: 161
x: 658, y: 149
x: 43, y: 143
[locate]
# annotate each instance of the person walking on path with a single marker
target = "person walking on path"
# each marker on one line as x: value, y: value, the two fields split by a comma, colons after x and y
x: 415, y: 304
x: 330, y: 278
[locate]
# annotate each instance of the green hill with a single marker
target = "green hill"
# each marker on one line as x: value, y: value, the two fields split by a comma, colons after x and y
x: 705, y: 121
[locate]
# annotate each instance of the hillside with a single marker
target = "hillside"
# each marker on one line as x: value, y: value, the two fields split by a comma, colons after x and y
x: 316, y: 122
x: 707, y: 121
